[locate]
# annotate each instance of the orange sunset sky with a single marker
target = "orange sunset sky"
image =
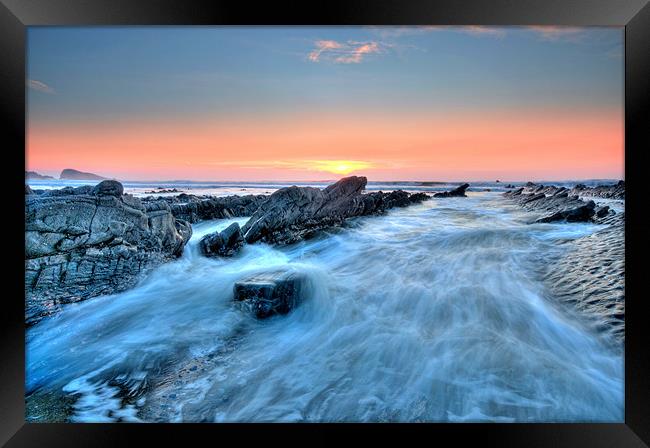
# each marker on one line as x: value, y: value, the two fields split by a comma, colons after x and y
x: 319, y: 103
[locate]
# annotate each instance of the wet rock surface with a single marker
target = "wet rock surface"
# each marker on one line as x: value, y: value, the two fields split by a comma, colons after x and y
x: 224, y: 243
x: 89, y: 241
x: 193, y: 208
x: 554, y: 204
x: 616, y: 191
x: 458, y: 192
x: 590, y: 276
x: 294, y: 213
x: 590, y: 273
x: 267, y: 294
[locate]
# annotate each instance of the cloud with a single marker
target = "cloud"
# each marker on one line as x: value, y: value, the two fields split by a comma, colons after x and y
x: 40, y: 86
x: 555, y: 33
x: 480, y: 30
x: 322, y: 46
x: 350, y: 52
x: 473, y: 30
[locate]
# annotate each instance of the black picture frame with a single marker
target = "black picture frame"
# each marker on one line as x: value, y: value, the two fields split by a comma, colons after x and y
x: 634, y: 15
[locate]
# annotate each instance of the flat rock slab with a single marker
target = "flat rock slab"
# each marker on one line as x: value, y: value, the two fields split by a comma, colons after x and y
x: 268, y: 294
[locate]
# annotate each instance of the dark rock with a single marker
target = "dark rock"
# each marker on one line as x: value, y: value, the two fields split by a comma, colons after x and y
x: 616, y: 191
x: 580, y: 213
x: 509, y: 186
x: 267, y: 294
x: 603, y: 211
x: 28, y: 190
x: 80, y: 245
x: 223, y: 243
x: 294, y: 213
x: 193, y: 208
x: 554, y: 203
x: 456, y: 192
x: 108, y: 188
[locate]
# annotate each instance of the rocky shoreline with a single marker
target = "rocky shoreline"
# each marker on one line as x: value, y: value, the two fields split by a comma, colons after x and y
x: 552, y: 204
x: 590, y: 274
x: 89, y: 241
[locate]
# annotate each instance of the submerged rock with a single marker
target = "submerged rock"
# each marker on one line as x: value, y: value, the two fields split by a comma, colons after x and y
x: 223, y: 243
x: 458, y: 192
x: 83, y: 242
x: 267, y: 294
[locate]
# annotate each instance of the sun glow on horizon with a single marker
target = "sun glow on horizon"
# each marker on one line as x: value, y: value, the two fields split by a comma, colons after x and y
x: 340, y: 166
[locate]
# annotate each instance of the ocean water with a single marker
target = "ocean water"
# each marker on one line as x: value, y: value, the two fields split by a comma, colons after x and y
x: 141, y: 189
x: 436, y: 312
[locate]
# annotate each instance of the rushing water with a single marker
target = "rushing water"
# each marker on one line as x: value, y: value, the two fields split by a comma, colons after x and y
x: 435, y: 312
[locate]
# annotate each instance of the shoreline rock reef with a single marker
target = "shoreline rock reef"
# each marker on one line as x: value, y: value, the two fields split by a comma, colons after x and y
x: 555, y: 204
x: 590, y: 273
x: 193, y: 209
x: 89, y: 241
x: 294, y: 213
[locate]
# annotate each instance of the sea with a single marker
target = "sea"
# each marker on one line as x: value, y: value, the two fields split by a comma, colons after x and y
x: 437, y: 312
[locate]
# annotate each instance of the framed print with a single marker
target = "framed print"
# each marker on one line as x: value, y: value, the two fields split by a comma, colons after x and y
x: 378, y: 218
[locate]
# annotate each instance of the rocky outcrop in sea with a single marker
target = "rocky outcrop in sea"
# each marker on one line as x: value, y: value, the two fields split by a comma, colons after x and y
x: 458, y: 192
x: 193, y: 208
x: 590, y: 276
x: 554, y: 204
x: 616, y: 191
x: 293, y: 213
x: 89, y: 241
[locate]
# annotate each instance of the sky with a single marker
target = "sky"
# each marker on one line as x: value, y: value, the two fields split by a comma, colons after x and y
x: 431, y: 103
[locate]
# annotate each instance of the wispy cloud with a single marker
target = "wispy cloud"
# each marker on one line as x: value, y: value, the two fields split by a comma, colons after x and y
x: 40, y: 86
x: 350, y: 52
x: 480, y: 30
x: 473, y: 30
x: 557, y: 33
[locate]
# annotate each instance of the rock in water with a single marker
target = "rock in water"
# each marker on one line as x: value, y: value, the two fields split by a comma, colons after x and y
x: 193, y: 208
x: 267, y: 294
x: 223, y: 243
x: 83, y: 242
x: 458, y: 192
x: 293, y: 213
x: 616, y: 191
x: 555, y: 204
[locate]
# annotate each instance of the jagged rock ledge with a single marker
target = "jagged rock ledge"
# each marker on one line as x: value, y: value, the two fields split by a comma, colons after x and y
x: 89, y: 241
x: 616, y: 191
x: 192, y: 208
x: 557, y: 204
x: 590, y: 273
x: 295, y: 213
x: 590, y: 276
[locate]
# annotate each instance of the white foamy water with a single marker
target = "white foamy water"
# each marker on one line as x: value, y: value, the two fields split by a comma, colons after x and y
x: 435, y: 312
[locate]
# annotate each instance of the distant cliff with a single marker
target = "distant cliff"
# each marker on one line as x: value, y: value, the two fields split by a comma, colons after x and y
x: 35, y: 175
x: 71, y: 174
